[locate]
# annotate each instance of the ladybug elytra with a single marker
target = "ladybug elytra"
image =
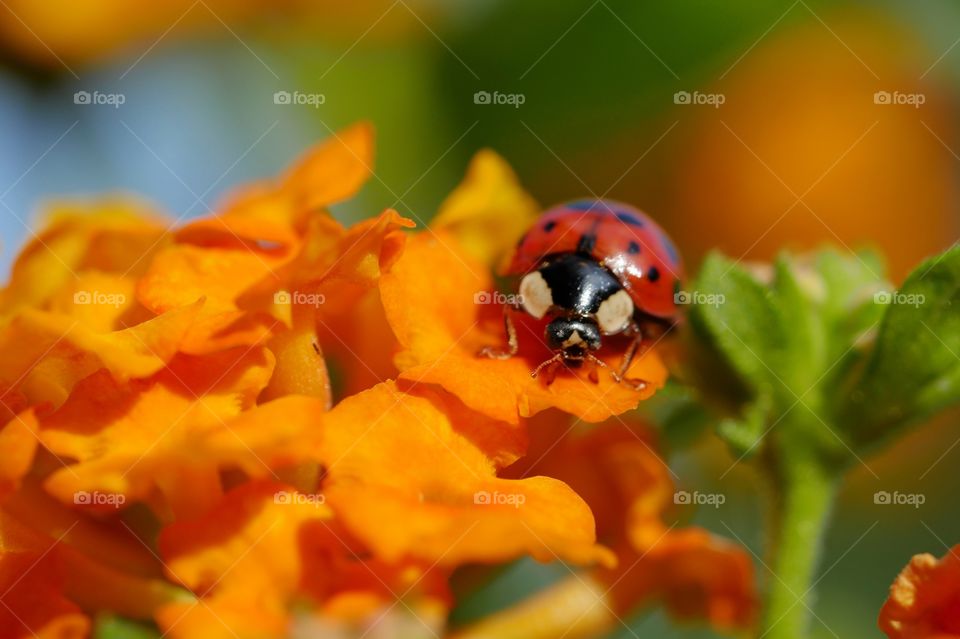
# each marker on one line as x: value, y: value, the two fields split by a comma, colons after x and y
x: 590, y: 269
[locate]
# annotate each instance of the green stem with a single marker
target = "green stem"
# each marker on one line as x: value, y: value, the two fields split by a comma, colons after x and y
x: 804, y: 490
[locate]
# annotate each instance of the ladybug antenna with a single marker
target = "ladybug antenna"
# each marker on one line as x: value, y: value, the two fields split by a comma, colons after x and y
x: 552, y: 360
x: 596, y: 360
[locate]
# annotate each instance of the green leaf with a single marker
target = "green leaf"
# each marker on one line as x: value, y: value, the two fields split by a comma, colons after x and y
x: 743, y: 434
x: 741, y: 323
x: 111, y: 627
x: 914, y: 369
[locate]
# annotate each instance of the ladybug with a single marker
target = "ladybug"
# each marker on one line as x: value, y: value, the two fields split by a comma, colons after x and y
x: 594, y: 268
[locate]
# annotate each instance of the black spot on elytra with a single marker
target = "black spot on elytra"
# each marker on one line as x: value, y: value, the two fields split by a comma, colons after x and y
x: 629, y: 218
x: 549, y: 226
x: 653, y: 274
x: 586, y: 244
x: 633, y: 248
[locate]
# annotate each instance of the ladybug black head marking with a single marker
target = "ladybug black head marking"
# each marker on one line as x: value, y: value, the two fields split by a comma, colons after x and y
x: 573, y: 336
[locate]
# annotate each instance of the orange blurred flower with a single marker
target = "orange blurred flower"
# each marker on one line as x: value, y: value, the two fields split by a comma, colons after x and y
x: 924, y: 601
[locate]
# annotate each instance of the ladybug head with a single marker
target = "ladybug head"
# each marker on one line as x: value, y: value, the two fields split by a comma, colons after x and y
x: 572, y: 336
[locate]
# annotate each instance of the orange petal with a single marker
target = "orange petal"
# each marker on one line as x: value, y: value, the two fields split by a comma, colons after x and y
x: 131, y: 440
x: 431, y: 299
x: 31, y: 579
x: 332, y: 171
x: 703, y: 577
x: 396, y: 457
x: 329, y: 172
x: 18, y: 444
x: 243, y: 559
x: 924, y: 601
x: 111, y: 235
x: 488, y: 211
x: 46, y: 354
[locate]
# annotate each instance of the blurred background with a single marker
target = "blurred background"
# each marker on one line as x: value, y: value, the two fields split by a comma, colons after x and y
x: 741, y: 125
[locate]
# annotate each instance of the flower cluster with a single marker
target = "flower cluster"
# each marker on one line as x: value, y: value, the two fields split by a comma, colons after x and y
x: 263, y: 423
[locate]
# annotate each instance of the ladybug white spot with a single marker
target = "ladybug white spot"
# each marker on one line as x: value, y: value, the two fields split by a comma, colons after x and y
x: 615, y: 312
x: 535, y: 295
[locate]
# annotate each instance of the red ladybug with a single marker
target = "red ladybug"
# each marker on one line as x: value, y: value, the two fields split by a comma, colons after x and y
x: 594, y: 268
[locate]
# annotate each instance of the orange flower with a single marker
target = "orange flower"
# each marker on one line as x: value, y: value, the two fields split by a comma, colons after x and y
x: 262, y: 548
x: 431, y: 300
x: 131, y: 440
x: 693, y: 573
x: 488, y: 211
x: 200, y: 402
x: 397, y: 457
x: 924, y: 600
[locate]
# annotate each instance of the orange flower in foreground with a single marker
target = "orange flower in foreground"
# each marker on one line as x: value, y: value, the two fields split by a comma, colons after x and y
x: 264, y: 547
x: 924, y: 600
x: 614, y: 466
x: 396, y: 457
x: 297, y: 408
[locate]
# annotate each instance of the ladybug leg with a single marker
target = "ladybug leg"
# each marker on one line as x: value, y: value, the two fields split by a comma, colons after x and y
x: 550, y: 362
x: 512, y: 343
x: 628, y: 357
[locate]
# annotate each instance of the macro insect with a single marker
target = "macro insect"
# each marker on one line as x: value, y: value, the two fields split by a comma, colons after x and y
x: 593, y: 269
